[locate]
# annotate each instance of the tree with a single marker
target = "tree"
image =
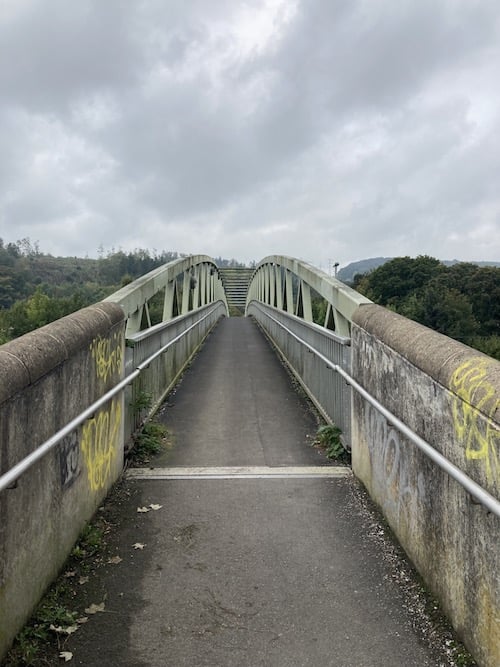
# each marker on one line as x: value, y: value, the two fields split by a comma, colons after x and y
x: 461, y: 301
x: 391, y: 283
x: 447, y: 311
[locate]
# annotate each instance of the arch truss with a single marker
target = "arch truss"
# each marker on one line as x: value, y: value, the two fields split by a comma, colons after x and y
x: 300, y: 289
x: 169, y: 291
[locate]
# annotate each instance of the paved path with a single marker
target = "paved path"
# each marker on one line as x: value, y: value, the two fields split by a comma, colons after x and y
x: 267, y: 562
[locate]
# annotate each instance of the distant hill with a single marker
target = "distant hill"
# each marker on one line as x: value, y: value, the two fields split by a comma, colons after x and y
x: 346, y: 274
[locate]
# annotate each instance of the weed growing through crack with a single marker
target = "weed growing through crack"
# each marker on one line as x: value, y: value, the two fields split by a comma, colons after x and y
x: 90, y: 542
x: 150, y: 440
x: 328, y: 437
x: 142, y: 401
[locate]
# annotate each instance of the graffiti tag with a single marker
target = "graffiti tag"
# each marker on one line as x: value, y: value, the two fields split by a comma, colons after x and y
x: 99, y: 443
x: 108, y: 355
x: 69, y: 459
x: 475, y: 396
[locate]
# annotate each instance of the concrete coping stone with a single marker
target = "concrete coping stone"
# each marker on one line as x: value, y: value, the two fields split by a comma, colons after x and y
x: 435, y: 354
x: 25, y: 360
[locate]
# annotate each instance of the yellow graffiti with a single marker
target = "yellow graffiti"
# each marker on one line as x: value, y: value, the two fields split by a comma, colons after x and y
x: 475, y: 396
x: 100, y: 443
x: 108, y: 355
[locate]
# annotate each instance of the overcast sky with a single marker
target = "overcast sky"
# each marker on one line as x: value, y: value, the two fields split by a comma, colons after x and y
x: 329, y: 130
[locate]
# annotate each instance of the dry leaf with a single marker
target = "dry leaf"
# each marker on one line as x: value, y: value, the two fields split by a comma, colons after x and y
x: 94, y: 608
x: 83, y: 580
x: 54, y: 628
x: 143, y: 509
x: 138, y: 545
x: 115, y: 560
x: 156, y: 507
x: 66, y: 655
x: 70, y: 573
x: 68, y: 630
x: 82, y: 620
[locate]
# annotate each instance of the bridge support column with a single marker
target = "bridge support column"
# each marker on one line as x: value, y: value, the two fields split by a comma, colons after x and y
x: 279, y: 288
x: 134, y: 322
x: 289, y: 292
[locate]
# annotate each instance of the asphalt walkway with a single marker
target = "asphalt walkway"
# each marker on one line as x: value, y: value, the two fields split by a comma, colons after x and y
x: 261, y: 556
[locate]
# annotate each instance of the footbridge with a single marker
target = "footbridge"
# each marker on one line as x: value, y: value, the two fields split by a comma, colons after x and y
x: 418, y: 412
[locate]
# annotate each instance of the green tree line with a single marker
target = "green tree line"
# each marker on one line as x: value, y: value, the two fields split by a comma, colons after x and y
x: 461, y: 301
x: 37, y: 288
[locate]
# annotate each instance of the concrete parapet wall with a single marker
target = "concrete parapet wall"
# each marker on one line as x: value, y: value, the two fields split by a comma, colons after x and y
x: 449, y: 395
x: 47, y: 378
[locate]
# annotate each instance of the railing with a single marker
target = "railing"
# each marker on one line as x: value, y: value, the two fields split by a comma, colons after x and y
x: 193, y: 299
x: 287, y: 295
x: 323, y: 353
x: 146, y: 354
x: 187, y: 296
x: 281, y: 298
x: 161, y: 353
x: 296, y: 340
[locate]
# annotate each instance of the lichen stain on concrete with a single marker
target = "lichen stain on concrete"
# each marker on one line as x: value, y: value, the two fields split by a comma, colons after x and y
x: 488, y: 628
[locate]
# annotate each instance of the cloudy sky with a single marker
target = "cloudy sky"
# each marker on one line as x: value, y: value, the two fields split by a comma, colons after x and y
x: 329, y: 130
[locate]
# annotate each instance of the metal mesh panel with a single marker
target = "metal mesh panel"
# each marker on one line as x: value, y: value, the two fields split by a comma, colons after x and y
x: 325, y: 387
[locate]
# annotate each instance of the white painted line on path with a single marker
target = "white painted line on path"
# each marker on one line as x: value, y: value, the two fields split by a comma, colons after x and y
x: 240, y: 472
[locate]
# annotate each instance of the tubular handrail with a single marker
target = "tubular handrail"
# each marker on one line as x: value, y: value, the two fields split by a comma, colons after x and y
x: 8, y: 478
x: 473, y: 488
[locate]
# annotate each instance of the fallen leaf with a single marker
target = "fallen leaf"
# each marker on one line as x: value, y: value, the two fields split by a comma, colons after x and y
x: 68, y: 630
x: 70, y: 573
x: 138, y: 545
x: 143, y: 509
x: 82, y: 620
x: 94, y: 608
x: 83, y: 580
x: 66, y: 655
x: 156, y: 507
x: 115, y: 560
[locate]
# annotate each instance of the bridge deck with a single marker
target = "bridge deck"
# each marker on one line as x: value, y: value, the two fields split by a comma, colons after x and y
x: 241, y: 568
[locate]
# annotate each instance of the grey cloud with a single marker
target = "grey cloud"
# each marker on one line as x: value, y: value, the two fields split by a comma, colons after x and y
x: 62, y: 49
x: 350, y: 134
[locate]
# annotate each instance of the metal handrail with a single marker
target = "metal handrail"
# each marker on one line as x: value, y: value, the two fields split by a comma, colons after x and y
x: 8, y: 478
x: 476, y: 491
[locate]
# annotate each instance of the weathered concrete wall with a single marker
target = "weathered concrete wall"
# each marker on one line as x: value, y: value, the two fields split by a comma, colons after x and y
x: 448, y: 394
x: 47, y: 378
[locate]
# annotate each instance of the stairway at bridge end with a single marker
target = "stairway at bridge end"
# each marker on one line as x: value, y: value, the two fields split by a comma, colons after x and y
x: 236, y: 282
